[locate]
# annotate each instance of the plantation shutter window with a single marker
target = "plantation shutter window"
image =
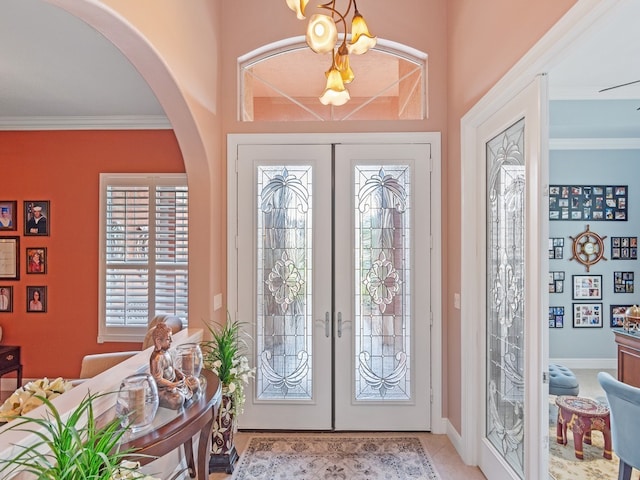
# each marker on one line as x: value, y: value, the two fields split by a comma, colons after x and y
x: 144, y: 251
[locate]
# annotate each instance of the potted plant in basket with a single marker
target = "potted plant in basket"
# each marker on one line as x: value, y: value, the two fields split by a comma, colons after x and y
x: 225, y: 355
x: 73, y: 447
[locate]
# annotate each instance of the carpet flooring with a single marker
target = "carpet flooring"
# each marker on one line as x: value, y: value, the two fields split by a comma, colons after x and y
x: 327, y: 457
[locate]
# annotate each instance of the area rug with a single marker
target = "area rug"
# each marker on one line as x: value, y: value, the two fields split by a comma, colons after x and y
x: 334, y: 458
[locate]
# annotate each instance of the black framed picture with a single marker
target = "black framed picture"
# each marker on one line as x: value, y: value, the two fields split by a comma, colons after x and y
x: 587, y: 287
x: 588, y: 202
x: 556, y: 317
x: 624, y: 248
x: 37, y: 217
x: 617, y: 314
x: 556, y: 248
x: 587, y: 315
x: 622, y: 282
x: 556, y: 282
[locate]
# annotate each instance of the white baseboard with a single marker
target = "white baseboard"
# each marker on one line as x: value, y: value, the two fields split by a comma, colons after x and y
x: 456, y: 441
x: 592, y: 363
x: 439, y: 425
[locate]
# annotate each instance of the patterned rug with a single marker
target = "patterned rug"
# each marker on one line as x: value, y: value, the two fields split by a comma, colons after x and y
x: 334, y: 458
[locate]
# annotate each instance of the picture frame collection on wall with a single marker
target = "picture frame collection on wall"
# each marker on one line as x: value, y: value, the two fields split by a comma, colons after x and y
x: 582, y: 202
x: 36, y: 222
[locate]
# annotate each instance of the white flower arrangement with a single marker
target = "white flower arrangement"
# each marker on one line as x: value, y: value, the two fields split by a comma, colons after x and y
x: 224, y: 356
x: 239, y: 376
x: 29, y: 396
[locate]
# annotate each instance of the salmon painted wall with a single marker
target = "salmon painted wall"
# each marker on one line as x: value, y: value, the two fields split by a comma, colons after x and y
x: 63, y: 167
x: 485, y: 39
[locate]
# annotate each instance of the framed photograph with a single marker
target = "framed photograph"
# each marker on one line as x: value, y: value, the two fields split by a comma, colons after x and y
x: 556, y: 282
x: 624, y: 248
x: 622, y: 282
x: 37, y: 217
x: 6, y: 299
x: 37, y: 260
x: 37, y: 299
x: 587, y: 315
x: 587, y: 287
x: 556, y: 247
x: 617, y: 315
x: 9, y: 258
x: 556, y: 317
x: 588, y: 202
x: 8, y: 215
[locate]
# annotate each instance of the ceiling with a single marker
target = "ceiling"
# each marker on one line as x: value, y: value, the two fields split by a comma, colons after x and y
x: 53, y: 65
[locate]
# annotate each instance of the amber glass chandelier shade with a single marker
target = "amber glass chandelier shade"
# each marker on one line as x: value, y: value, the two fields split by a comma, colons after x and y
x: 361, y: 39
x: 342, y: 64
x: 298, y: 6
x: 334, y: 93
x: 322, y: 33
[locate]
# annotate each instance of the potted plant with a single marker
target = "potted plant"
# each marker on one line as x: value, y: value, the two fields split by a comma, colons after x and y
x: 225, y: 355
x: 75, y: 447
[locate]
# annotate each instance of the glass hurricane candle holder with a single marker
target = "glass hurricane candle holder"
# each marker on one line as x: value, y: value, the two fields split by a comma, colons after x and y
x: 137, y: 401
x: 189, y: 359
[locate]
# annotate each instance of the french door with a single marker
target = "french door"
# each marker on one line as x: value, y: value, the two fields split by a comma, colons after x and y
x: 514, y: 430
x: 333, y: 284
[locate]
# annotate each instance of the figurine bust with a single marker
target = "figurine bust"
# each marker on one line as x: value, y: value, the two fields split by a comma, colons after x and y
x: 174, y: 388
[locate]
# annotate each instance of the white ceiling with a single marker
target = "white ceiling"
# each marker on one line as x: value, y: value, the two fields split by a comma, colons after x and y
x: 54, y: 65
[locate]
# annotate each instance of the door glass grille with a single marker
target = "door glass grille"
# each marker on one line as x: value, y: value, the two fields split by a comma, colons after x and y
x: 505, y: 295
x: 284, y: 282
x: 382, y: 234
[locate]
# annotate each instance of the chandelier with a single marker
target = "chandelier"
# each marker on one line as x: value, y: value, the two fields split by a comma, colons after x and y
x: 322, y: 37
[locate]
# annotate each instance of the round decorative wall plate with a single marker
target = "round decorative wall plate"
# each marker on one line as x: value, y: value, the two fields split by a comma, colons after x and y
x: 588, y: 248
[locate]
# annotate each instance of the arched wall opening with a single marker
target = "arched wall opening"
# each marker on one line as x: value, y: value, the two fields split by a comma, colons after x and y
x: 188, y: 120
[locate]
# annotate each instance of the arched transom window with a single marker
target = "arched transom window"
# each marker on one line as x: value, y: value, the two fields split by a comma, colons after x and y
x: 282, y: 82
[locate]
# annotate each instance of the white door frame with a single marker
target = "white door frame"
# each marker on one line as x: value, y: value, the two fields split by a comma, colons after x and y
x: 438, y: 423
x: 541, y: 58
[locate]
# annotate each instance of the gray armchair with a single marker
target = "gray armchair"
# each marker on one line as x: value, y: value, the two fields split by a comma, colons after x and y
x: 624, y: 402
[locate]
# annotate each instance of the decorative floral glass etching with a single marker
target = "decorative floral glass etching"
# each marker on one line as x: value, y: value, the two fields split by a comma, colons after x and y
x: 284, y: 258
x: 505, y: 295
x: 382, y: 282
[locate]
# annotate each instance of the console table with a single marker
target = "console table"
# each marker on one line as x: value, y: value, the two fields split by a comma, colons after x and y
x: 628, y: 356
x: 10, y: 362
x: 181, y: 425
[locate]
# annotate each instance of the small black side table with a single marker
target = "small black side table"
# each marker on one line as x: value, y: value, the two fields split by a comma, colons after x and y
x: 10, y: 362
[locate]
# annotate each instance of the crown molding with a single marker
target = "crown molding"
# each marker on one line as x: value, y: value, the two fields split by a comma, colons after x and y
x: 112, y: 122
x: 594, y: 144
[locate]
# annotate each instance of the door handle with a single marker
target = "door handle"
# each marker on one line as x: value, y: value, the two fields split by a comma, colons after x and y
x: 339, y: 324
x: 327, y: 325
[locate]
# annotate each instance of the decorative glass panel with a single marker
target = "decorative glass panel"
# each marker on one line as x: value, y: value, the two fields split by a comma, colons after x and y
x: 505, y: 295
x: 382, y: 282
x: 284, y: 258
